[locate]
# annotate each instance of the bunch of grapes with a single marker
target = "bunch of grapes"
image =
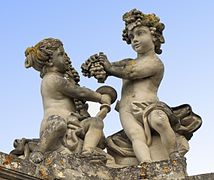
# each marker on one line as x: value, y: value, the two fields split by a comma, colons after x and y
x: 70, y: 70
x: 73, y: 74
x: 94, y: 67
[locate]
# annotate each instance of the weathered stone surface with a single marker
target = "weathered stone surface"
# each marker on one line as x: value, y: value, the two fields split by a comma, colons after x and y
x: 17, y: 169
x: 209, y: 176
x: 77, y: 166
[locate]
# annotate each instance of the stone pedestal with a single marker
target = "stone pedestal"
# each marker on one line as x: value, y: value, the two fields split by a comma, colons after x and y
x: 57, y: 167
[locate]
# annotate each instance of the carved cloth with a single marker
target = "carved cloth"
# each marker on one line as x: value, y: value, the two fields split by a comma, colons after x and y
x: 73, y: 139
x: 76, y: 132
x: 182, y: 119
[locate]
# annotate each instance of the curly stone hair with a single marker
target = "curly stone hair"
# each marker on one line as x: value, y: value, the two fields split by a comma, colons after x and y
x: 39, y: 55
x: 136, y: 18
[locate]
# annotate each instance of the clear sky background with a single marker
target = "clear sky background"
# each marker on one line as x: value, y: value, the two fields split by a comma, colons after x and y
x: 87, y: 27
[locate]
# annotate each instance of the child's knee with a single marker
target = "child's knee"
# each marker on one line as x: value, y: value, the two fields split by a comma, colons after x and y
x: 158, y: 120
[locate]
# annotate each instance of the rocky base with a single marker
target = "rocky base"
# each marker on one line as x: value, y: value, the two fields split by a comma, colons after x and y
x: 209, y: 176
x: 88, y: 167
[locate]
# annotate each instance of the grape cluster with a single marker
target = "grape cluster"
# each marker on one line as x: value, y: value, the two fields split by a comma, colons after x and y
x: 93, y: 67
x: 73, y: 74
x: 70, y: 70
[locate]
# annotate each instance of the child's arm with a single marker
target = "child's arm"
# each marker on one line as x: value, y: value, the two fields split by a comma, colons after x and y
x: 119, y: 69
x: 121, y: 63
x: 72, y: 90
x: 129, y: 69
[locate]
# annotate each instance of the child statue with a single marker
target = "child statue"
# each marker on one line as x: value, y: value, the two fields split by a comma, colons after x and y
x: 65, y: 112
x: 142, y: 115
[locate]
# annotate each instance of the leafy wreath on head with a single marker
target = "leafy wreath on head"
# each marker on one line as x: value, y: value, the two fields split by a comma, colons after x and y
x: 136, y: 18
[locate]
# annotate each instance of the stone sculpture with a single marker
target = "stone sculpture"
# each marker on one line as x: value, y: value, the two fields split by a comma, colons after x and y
x: 155, y: 131
x: 67, y: 126
x: 72, y: 140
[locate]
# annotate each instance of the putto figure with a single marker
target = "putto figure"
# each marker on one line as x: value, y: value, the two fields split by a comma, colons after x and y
x: 155, y: 131
x: 66, y: 126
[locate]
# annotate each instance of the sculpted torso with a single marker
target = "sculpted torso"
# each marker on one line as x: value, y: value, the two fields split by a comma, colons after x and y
x: 142, y: 87
x: 54, y: 101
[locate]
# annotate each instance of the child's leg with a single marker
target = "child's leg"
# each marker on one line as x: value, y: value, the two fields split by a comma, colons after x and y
x: 51, y: 138
x: 159, y: 121
x: 136, y: 134
x: 94, y: 131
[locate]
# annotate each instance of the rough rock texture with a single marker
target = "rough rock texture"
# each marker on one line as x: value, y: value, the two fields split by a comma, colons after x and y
x: 85, y: 167
x: 209, y: 176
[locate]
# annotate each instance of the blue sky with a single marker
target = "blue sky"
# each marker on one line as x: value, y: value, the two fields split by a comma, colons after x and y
x: 88, y: 27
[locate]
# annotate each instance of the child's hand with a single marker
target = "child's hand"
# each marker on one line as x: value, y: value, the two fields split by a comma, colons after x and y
x: 94, y: 67
x: 104, y: 61
x: 105, y: 99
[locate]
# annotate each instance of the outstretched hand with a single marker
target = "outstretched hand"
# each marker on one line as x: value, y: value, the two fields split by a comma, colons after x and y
x: 105, y: 99
x: 96, y: 66
x: 104, y: 61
